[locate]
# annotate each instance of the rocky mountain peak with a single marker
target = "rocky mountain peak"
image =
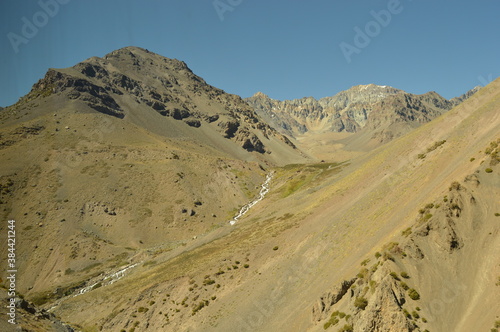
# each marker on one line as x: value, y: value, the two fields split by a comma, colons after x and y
x: 131, y: 82
x: 260, y: 95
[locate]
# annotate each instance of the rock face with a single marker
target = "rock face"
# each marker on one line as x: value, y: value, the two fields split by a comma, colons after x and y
x: 322, y: 308
x: 377, y: 108
x: 124, y: 79
x: 458, y: 100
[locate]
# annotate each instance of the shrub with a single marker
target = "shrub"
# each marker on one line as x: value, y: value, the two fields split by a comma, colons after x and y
x: 377, y: 255
x: 366, y: 261
x: 421, y: 156
x: 142, y: 309
x: 406, y: 313
x: 413, y: 294
x: 472, y: 159
x: 346, y: 328
x: 394, y: 275
x: 488, y: 170
x: 275, y: 248
x: 332, y: 321
x: 415, y: 314
x: 208, y: 282
x: 246, y: 266
x: 497, y: 214
x: 406, y: 232
x: 404, y: 285
x: 360, y: 303
x: 405, y: 275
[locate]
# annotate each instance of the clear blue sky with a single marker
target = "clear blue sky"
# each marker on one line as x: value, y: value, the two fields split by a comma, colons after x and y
x: 284, y: 48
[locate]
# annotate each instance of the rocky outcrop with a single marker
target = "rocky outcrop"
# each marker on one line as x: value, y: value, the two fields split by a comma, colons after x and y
x: 322, y: 309
x: 95, y: 96
x: 384, y: 310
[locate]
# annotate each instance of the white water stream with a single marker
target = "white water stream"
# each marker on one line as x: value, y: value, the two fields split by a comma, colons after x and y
x: 263, y: 191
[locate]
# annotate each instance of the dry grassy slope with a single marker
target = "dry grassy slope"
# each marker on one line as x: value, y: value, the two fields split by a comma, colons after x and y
x: 103, y: 190
x: 324, y: 221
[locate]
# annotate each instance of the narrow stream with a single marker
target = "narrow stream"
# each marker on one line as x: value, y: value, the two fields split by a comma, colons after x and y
x: 263, y: 191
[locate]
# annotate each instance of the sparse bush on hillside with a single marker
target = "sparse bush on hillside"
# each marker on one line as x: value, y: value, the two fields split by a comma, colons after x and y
x: 427, y: 216
x: 404, y: 285
x: 208, y: 282
x: 360, y: 303
x: 377, y: 255
x: 413, y: 294
x: 435, y: 145
x: 331, y: 322
x: 364, y: 262
x: 394, y: 275
x: 406, y: 313
x: 488, y: 170
x: 346, y: 328
x: 406, y: 232
x: 404, y: 275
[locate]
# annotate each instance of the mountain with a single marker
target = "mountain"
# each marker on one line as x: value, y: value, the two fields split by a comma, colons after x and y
x: 130, y: 216
x: 380, y: 112
x: 118, y: 155
x: 152, y: 91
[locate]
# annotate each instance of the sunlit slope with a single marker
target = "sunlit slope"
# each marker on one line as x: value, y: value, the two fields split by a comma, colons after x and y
x: 314, y: 228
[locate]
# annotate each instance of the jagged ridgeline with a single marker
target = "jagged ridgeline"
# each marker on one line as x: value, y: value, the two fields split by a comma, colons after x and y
x: 380, y: 112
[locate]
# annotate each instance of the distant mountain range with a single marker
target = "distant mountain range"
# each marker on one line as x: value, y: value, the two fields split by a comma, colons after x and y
x: 375, y: 108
